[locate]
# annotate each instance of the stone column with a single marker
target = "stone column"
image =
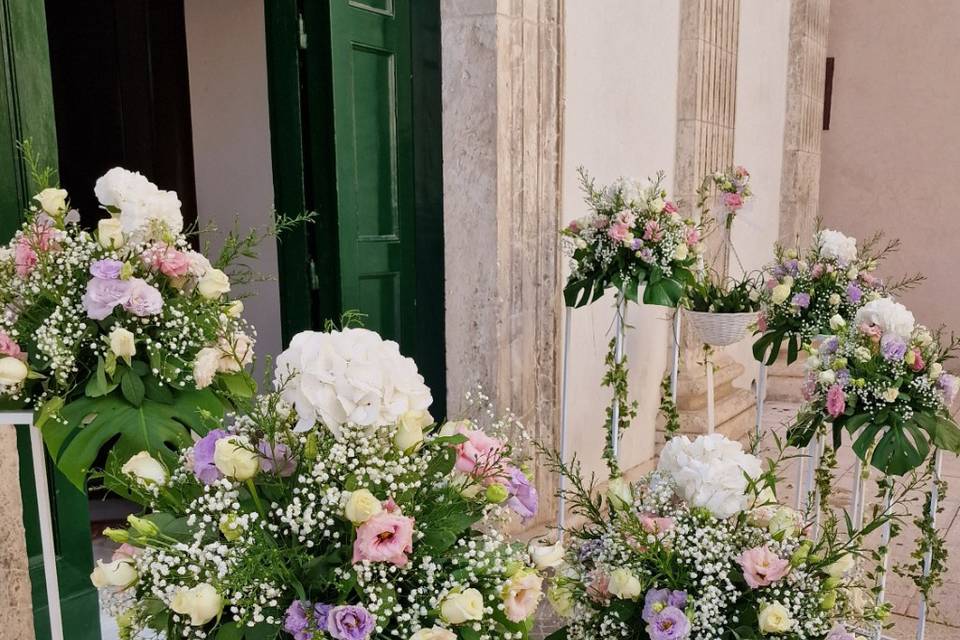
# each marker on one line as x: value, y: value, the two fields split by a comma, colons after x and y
x: 706, y: 109
x: 501, y: 150
x: 16, y: 607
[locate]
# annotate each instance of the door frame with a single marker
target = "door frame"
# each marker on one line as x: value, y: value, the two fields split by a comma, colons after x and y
x: 309, y: 289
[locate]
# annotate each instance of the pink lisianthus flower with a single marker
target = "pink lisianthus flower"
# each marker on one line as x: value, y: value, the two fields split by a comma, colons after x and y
x: 741, y: 172
x: 651, y: 231
x: 627, y: 217
x: 762, y: 567
x: 836, y: 400
x: 9, y: 347
x: 574, y: 226
x: 386, y: 537
x: 872, y: 331
x: 670, y: 207
x: 693, y: 236
x: 732, y: 201
x: 601, y: 222
x: 143, y: 299
x: 24, y: 257
x: 599, y: 588
x: 618, y: 231
x: 655, y: 525
x: 817, y: 270
x: 521, y: 596
x: 480, y: 455
x: 762, y: 322
x: 167, y: 260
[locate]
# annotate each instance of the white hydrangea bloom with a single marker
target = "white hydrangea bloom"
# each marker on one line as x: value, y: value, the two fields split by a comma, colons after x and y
x: 837, y: 246
x: 890, y: 316
x: 143, y: 208
x: 348, y: 377
x: 709, y: 472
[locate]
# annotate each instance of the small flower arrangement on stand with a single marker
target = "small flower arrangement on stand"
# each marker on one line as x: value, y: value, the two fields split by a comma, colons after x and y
x: 702, y: 549
x: 881, y: 379
x: 118, y: 339
x: 333, y: 507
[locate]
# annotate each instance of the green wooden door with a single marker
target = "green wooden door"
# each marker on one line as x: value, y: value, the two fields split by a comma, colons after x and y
x: 373, y: 146
x: 26, y: 111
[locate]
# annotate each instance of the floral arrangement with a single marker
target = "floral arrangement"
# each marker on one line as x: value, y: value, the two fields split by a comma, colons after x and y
x: 280, y: 525
x: 881, y: 378
x: 733, y: 191
x: 127, y: 331
x: 803, y: 291
x: 701, y: 549
x: 713, y: 294
x: 633, y: 237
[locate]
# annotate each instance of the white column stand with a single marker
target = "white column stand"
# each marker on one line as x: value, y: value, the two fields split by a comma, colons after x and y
x: 25, y: 419
x: 711, y: 409
x: 801, y: 464
x: 619, y: 323
x: 675, y: 372
x: 928, y: 556
x: 858, y: 494
x: 885, y: 544
x: 761, y: 396
x: 561, y: 484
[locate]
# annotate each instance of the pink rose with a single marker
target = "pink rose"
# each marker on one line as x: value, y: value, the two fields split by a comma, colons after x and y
x: 9, y: 347
x: 732, y: 201
x: 693, y: 236
x: 618, y: 231
x: 816, y: 271
x: 762, y: 322
x: 480, y: 454
x: 651, y: 231
x: 627, y: 217
x: 386, y: 537
x: 918, y: 363
x: 574, y: 226
x: 762, y: 567
x: 521, y: 596
x: 670, y: 207
x: 836, y: 401
x: 741, y: 172
x: 168, y: 261
x: 653, y: 524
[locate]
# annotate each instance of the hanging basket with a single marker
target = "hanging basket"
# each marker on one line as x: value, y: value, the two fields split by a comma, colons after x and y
x: 721, y: 329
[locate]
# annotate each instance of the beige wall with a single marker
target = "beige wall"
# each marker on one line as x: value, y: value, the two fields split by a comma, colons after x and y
x: 226, y: 52
x: 891, y: 158
x: 620, y: 118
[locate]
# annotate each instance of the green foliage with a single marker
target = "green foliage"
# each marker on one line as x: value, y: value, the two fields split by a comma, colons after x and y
x: 715, y: 294
x: 668, y: 409
x: 616, y: 379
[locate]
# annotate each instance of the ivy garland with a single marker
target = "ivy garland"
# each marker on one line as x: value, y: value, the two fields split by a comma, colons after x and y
x: 615, y: 378
x: 668, y: 409
x: 929, y: 540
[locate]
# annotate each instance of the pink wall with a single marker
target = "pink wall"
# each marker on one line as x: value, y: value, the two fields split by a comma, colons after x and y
x: 891, y: 159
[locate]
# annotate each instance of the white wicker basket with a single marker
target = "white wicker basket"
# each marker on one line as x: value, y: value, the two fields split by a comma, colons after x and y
x: 721, y: 329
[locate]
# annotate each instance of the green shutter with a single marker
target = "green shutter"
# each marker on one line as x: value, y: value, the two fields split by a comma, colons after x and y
x: 26, y: 111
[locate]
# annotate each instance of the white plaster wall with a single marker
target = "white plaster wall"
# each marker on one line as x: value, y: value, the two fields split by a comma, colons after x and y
x: 758, y: 139
x: 619, y: 118
x: 226, y: 52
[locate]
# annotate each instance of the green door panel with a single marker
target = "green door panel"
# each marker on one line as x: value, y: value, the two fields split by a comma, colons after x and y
x: 26, y: 112
x: 373, y: 146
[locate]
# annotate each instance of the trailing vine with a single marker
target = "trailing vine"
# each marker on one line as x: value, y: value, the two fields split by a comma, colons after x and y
x: 929, y: 540
x: 615, y: 378
x: 668, y: 409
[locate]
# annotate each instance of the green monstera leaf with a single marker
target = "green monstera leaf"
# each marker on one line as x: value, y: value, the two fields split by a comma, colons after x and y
x: 160, y: 426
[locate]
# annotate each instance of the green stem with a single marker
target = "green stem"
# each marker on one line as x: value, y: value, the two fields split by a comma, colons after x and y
x: 256, y: 497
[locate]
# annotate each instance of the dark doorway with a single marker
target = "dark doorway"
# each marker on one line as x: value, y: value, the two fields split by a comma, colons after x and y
x: 121, y: 95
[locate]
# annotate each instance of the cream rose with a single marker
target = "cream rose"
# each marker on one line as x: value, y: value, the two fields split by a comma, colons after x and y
x: 213, y: 284
x: 463, y: 606
x: 205, y: 366
x: 891, y: 394
x: 119, y: 573
x: 774, y: 618
x: 837, y: 322
x: 780, y: 293
x: 434, y: 633
x: 52, y: 201
x: 625, y: 585
x: 547, y: 556
x: 145, y: 468
x: 619, y: 493
x: 841, y: 566
x: 110, y: 233
x: 122, y: 343
x: 235, y: 309
x: 202, y: 603
x: 12, y: 371
x: 681, y: 252
x: 410, y: 429
x: 361, y: 506
x: 235, y: 353
x: 235, y: 458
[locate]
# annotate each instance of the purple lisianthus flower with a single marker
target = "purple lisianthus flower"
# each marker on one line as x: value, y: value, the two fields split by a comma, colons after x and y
x: 843, y: 377
x: 801, y: 300
x: 854, y: 293
x: 948, y: 384
x: 349, y: 622
x: 279, y: 459
x: 646, y: 254
x: 656, y: 600
x: 893, y: 347
x: 523, y: 496
x: 321, y: 615
x: 588, y: 549
x: 106, y: 269
x: 636, y: 244
x: 677, y: 599
x: 829, y: 346
x: 103, y: 295
x: 670, y: 624
x: 144, y: 299
x: 203, y: 466
x: 296, y: 622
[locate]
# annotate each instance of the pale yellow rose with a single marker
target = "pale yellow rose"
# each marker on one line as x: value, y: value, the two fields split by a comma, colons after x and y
x: 52, y: 201
x: 774, y: 618
x: 619, y: 493
x: 213, y: 284
x: 201, y: 603
x: 462, y: 606
x: 625, y: 585
x: 235, y: 458
x: 561, y: 599
x: 122, y: 343
x: 12, y: 371
x: 434, y: 633
x: 110, y: 233
x: 410, y: 429
x: 361, y: 506
x: 145, y: 468
x: 547, y: 556
x: 842, y: 566
x: 119, y: 573
x: 780, y: 293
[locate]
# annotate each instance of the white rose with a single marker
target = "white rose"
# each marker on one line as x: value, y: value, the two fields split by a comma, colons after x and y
x: 774, y: 618
x: 812, y: 363
x: 935, y: 370
x: 862, y: 354
x: 119, y: 573
x: 202, y: 603
x: 841, y: 566
x: 827, y: 377
x: 837, y: 246
x: 891, y: 394
x: 235, y: 309
x: 788, y: 280
x: 780, y: 293
x: 213, y: 284
x: 681, y: 252
x: 235, y: 353
x: 12, y: 371
x: 434, y: 633
x: 547, y: 556
x: 361, y: 506
x: 235, y: 458
x: 625, y: 585
x: 619, y: 493
x: 410, y: 429
x: 837, y: 322
x: 461, y: 607
x: 205, y: 366
x: 52, y: 201
x: 924, y: 337
x: 852, y: 273
x: 122, y: 343
x: 786, y: 521
x: 890, y: 316
x: 110, y: 233
x: 561, y: 599
x: 145, y: 468
x: 834, y: 299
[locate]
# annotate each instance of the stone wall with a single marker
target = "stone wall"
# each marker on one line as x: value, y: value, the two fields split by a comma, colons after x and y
x: 16, y: 608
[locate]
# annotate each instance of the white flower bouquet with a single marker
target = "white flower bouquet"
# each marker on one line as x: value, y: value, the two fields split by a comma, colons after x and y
x: 881, y: 378
x: 701, y: 549
x: 633, y: 237
x: 377, y: 524
x: 119, y: 337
